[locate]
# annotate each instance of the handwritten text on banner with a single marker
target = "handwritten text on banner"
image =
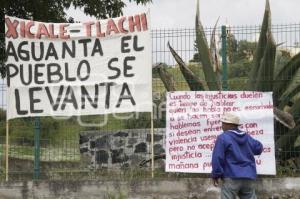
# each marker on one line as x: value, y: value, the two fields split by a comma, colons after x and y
x: 193, y: 124
x: 64, y: 69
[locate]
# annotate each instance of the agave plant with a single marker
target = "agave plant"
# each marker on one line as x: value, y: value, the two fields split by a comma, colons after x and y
x: 266, y: 75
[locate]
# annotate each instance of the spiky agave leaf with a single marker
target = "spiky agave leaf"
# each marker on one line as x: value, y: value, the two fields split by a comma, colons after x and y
x: 286, y: 141
x: 260, y: 49
x: 282, y: 58
x: 284, y: 118
x: 213, y: 49
x: 194, y: 82
x: 203, y: 50
x: 295, y: 110
x: 165, y: 77
x: 286, y: 84
x: 292, y: 89
x: 215, y: 55
x: 266, y: 69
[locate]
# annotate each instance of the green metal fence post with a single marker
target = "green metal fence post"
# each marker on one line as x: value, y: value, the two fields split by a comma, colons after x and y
x: 37, y: 132
x: 224, y: 59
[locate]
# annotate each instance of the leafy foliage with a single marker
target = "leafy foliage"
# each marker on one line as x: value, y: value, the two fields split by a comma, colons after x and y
x: 2, y: 115
x: 245, y: 51
x: 240, y: 68
x: 50, y: 11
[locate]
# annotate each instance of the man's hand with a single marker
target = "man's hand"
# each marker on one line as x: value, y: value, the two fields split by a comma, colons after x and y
x: 216, y: 182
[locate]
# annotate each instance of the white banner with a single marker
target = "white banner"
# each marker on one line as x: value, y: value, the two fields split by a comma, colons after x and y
x: 193, y: 124
x: 62, y: 69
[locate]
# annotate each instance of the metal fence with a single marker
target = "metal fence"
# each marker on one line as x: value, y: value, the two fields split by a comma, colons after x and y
x: 62, y: 141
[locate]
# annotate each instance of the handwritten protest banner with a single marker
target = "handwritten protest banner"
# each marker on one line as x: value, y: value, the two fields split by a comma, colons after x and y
x: 193, y: 124
x: 62, y: 69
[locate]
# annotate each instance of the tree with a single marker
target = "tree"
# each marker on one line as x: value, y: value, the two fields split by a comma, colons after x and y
x: 2, y: 115
x: 55, y: 11
x: 245, y: 51
x: 242, y: 59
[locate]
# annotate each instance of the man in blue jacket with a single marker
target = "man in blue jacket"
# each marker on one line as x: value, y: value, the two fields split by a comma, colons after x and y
x: 233, y: 160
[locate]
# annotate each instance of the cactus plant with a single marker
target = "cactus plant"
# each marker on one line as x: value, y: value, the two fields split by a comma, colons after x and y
x: 265, y: 75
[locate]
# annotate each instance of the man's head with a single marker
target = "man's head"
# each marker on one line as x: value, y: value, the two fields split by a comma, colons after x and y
x: 230, y: 121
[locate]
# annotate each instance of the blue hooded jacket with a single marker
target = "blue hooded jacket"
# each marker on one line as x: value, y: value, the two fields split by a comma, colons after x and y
x: 233, y: 155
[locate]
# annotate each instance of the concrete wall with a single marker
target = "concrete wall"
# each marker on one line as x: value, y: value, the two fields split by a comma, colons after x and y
x: 192, y: 188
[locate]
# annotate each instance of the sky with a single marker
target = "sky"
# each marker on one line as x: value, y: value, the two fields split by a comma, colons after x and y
x: 181, y: 13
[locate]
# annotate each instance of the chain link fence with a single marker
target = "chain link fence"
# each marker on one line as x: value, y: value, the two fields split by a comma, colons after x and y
x: 107, y: 146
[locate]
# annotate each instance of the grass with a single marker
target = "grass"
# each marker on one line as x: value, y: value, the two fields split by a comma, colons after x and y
x: 51, y: 154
